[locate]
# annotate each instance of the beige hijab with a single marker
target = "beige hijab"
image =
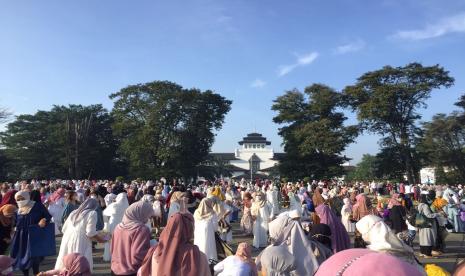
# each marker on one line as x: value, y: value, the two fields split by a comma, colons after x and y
x: 205, y: 209
x: 259, y: 202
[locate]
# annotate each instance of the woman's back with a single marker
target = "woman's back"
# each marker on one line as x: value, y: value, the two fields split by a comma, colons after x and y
x: 76, y: 237
x: 234, y: 266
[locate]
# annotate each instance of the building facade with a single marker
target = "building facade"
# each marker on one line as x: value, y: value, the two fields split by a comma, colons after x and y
x: 254, y: 158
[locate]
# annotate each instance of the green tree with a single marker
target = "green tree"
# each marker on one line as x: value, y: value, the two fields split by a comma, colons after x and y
x: 4, y: 115
x: 366, y: 169
x: 387, y: 100
x: 314, y: 134
x: 166, y: 130
x: 66, y: 142
x: 444, y: 141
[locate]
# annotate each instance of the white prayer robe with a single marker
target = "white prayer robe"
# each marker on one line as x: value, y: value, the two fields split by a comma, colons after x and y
x: 114, y: 212
x: 294, y: 203
x: 272, y: 198
x: 345, y: 215
x: 56, y: 210
x: 204, y: 236
x: 76, y: 238
x: 260, y: 226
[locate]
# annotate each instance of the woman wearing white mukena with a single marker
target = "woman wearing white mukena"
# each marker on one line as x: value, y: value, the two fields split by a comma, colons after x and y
x: 206, y: 224
x: 114, y: 212
x: 261, y: 214
x: 272, y: 198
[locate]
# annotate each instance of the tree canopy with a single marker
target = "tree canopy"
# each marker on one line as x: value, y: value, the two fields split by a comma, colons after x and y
x: 165, y: 129
x: 387, y: 100
x: 313, y: 131
x: 66, y: 142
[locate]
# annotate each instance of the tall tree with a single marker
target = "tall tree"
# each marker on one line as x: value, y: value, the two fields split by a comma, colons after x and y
x: 444, y: 141
x: 387, y: 100
x: 166, y: 130
x: 62, y: 143
x: 314, y: 134
x: 4, y: 115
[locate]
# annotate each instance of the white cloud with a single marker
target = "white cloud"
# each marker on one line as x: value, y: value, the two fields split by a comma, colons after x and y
x: 223, y: 19
x: 258, y: 83
x: 350, y: 47
x: 453, y: 24
x: 301, y: 61
x: 307, y: 59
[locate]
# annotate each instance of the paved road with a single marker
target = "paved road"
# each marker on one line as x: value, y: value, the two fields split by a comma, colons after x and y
x: 455, y: 250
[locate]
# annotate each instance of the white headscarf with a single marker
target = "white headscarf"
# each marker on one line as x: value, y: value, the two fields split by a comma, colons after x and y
x: 24, y: 206
x: 118, y: 207
x: 379, y: 236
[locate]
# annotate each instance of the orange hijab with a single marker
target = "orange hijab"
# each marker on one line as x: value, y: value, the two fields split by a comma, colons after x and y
x: 7, y: 213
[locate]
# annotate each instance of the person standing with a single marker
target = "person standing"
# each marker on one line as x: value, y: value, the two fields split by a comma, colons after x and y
x: 261, y: 215
x: 7, y: 217
x: 78, y: 232
x: 114, y: 212
x: 246, y: 220
x: 175, y: 254
x: 339, y: 237
x: 206, y: 224
x: 56, y: 206
x: 131, y: 239
x: 71, y: 204
x: 427, y: 235
x: 397, y: 214
x: 29, y: 213
x: 272, y: 199
x: 346, y: 216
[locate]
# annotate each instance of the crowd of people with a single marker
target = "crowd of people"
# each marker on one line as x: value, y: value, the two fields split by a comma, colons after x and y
x: 171, y: 228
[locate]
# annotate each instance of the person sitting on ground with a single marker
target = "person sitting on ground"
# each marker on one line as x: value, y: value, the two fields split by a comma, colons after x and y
x: 74, y: 265
x: 240, y: 264
x: 381, y: 238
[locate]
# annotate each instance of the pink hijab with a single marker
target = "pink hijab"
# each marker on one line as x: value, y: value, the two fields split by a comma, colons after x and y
x: 137, y: 214
x: 175, y: 252
x: 394, y: 201
x: 355, y: 262
x: 57, y: 195
x: 75, y: 265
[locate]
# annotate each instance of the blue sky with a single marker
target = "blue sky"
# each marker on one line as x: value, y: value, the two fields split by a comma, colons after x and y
x: 63, y: 52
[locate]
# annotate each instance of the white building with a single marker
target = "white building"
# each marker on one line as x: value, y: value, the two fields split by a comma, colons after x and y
x: 255, y: 157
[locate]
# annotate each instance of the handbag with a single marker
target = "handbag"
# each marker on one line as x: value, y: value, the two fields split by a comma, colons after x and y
x: 42, y: 240
x: 222, y: 248
x: 421, y: 221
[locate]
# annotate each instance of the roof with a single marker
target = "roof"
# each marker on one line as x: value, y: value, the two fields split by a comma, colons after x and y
x: 254, y: 138
x: 236, y: 168
x: 279, y: 155
x: 254, y: 176
x: 223, y: 155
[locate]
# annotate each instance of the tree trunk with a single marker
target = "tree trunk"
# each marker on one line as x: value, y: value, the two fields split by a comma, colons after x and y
x: 76, y: 151
x: 407, y: 156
